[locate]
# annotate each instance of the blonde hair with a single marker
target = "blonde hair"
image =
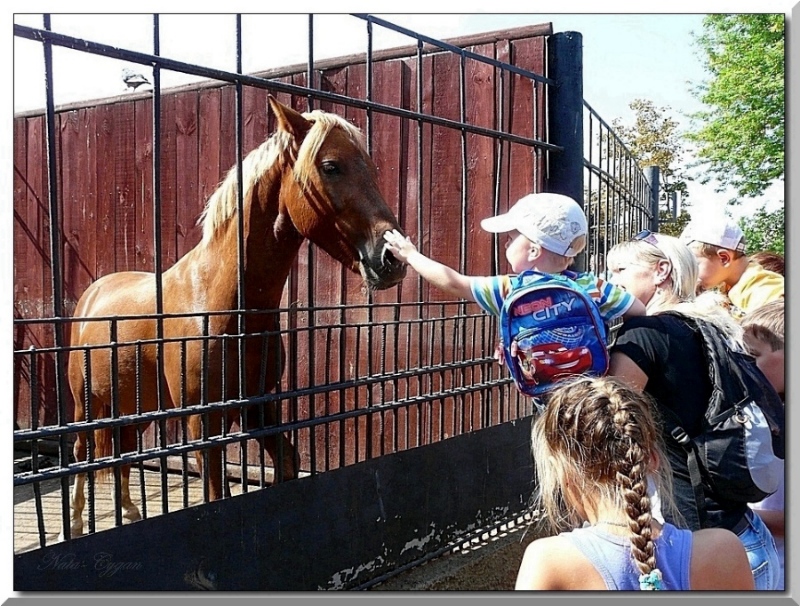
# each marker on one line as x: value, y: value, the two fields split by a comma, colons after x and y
x: 678, y: 293
x: 599, y: 441
x: 765, y: 323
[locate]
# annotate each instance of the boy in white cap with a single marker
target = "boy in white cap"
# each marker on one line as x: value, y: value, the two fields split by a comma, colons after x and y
x: 718, y: 244
x: 545, y: 233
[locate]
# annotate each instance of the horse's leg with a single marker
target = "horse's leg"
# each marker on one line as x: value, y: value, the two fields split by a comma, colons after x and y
x: 78, y: 499
x: 279, y: 447
x: 128, y: 444
x: 217, y: 489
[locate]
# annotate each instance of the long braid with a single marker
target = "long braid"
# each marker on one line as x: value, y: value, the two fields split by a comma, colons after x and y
x: 597, y: 439
x: 632, y: 476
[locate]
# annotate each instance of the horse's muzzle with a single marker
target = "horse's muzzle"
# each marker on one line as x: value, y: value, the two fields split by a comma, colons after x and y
x: 380, y: 269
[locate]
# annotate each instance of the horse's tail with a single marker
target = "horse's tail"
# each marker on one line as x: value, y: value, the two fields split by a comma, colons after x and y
x: 103, y: 447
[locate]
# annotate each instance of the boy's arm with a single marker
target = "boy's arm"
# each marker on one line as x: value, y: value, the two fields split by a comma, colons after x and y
x: 439, y: 275
x: 636, y: 309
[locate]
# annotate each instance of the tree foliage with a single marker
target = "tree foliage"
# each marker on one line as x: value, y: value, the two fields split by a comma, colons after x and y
x: 765, y: 230
x: 654, y: 140
x: 740, y: 136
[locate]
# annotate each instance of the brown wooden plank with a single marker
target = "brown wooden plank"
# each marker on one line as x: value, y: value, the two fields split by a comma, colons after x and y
x: 78, y: 194
x: 227, y: 131
x: 521, y: 157
x: 125, y: 182
x: 209, y: 172
x: 105, y: 231
x: 170, y: 168
x: 188, y: 206
x: 143, y: 192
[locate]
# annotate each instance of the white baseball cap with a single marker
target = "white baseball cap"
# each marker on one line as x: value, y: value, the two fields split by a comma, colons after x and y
x: 551, y: 220
x: 719, y: 231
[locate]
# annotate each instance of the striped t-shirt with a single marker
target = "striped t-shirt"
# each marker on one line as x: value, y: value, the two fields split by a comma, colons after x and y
x: 612, y: 301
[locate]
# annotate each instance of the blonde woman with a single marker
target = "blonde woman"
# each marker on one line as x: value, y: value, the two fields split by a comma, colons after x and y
x: 661, y: 355
x: 596, y: 445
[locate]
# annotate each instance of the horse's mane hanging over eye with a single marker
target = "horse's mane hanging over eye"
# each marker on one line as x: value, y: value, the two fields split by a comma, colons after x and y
x: 223, y: 203
x: 323, y: 124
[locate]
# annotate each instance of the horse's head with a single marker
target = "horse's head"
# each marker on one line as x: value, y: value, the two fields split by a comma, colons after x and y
x: 331, y: 194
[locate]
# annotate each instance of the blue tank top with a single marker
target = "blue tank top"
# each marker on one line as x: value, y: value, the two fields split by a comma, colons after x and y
x: 610, y: 554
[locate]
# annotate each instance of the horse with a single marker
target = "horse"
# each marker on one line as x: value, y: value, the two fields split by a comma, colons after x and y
x: 311, y: 179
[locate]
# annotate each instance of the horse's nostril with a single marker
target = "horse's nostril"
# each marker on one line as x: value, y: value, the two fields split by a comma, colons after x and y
x: 389, y: 258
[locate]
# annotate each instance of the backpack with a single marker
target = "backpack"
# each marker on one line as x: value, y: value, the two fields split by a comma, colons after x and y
x: 550, y: 328
x: 741, y: 449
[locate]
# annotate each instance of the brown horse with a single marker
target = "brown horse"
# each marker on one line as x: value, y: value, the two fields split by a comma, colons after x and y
x: 311, y: 179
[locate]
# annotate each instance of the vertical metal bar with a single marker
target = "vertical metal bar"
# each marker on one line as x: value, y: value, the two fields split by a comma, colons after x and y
x: 116, y: 432
x: 420, y: 205
x: 565, y: 62
x: 88, y: 417
x: 310, y: 71
x: 651, y: 174
x: 162, y: 423
x: 34, y: 410
x: 370, y: 311
x: 204, y: 371
x: 55, y: 276
x: 139, y: 428
x: 459, y: 327
x: 184, y: 426
x: 241, y: 303
x: 311, y: 275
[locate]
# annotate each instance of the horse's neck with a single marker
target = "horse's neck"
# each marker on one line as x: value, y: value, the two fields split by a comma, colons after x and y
x: 271, y: 244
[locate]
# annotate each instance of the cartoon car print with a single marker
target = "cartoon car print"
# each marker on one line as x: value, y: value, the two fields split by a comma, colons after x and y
x: 544, y: 363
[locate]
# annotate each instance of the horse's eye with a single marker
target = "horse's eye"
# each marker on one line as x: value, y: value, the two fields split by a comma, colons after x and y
x: 330, y: 168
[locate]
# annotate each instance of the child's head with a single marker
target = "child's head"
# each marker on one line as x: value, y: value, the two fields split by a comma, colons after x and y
x: 548, y: 231
x: 716, y: 242
x: 770, y: 260
x: 763, y: 336
x: 595, y: 445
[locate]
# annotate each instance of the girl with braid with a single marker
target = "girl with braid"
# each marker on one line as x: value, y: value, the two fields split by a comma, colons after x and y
x: 596, y: 446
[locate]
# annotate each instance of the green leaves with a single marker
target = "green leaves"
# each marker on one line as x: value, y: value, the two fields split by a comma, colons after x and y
x: 765, y: 230
x: 740, y: 137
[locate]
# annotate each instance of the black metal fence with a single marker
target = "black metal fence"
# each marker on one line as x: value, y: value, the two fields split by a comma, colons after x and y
x: 364, y: 380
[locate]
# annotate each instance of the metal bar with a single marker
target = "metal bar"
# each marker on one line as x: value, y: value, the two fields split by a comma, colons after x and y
x: 55, y: 257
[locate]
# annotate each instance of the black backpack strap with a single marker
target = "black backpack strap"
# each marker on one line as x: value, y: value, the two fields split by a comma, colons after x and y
x: 672, y: 428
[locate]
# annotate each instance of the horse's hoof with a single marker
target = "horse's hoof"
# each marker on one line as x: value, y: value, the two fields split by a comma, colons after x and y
x: 75, y: 530
x: 130, y: 516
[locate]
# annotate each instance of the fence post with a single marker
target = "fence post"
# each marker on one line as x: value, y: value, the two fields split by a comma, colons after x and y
x: 651, y: 173
x: 565, y: 107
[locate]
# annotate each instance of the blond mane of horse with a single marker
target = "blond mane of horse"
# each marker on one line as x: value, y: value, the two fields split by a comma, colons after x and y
x: 223, y: 203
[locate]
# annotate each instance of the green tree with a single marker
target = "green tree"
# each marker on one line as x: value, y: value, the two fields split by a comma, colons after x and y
x: 740, y: 137
x: 765, y: 230
x: 655, y: 140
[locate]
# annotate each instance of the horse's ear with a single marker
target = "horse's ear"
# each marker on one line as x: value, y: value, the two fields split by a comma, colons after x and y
x: 288, y: 119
